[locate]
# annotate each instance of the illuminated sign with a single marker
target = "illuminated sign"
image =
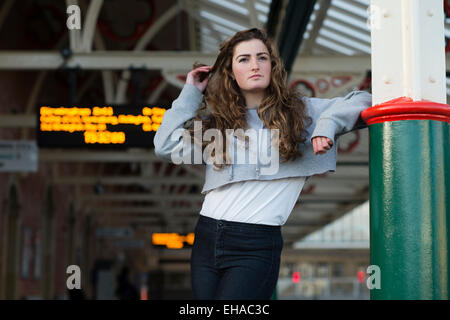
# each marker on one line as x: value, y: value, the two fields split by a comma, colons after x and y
x: 98, y: 126
x: 172, y: 240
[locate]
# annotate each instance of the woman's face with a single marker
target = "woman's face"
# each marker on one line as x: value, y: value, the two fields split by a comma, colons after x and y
x: 251, y: 65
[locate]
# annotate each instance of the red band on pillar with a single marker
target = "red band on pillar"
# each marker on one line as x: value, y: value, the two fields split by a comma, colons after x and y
x: 406, y: 109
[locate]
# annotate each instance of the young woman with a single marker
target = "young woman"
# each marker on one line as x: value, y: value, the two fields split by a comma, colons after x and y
x: 238, y: 240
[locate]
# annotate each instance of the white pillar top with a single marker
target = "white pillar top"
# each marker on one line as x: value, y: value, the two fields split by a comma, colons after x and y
x: 408, y: 50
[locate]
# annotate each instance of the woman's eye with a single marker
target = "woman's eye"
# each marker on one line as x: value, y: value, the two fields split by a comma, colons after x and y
x: 260, y: 58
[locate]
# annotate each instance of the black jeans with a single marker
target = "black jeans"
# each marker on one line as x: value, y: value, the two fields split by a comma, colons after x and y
x: 235, y: 260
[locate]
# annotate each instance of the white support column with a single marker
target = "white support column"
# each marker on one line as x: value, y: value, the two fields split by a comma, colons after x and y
x: 75, y: 34
x: 90, y: 25
x: 406, y: 58
x: 408, y: 61
x: 81, y: 40
x: 107, y: 75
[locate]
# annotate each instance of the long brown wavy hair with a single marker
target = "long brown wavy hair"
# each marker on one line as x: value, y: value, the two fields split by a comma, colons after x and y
x: 223, y: 106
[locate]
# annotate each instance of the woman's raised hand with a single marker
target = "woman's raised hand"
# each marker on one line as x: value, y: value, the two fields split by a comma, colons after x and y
x: 194, y: 77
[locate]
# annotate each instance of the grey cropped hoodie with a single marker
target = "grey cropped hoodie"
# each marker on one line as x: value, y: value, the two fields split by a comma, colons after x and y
x: 330, y: 118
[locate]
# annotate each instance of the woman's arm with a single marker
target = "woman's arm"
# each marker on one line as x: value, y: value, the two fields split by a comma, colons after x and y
x: 182, y: 110
x: 339, y: 115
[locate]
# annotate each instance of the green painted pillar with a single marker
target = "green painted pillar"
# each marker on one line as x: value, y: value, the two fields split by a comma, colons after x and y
x: 409, y: 150
x: 410, y: 201
x: 275, y: 294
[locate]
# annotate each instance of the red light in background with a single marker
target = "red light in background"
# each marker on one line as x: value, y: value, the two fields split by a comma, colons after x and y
x: 360, y: 275
x: 296, y: 277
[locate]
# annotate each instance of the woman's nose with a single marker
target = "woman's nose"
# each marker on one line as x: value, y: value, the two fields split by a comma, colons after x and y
x: 254, y: 65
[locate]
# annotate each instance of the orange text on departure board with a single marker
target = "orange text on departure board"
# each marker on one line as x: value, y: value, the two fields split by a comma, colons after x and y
x: 93, y: 121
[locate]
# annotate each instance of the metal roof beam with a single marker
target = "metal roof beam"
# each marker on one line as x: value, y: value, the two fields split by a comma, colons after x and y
x: 296, y: 19
x: 177, y: 61
x: 317, y: 25
x: 273, y: 19
x: 334, y: 197
x: 332, y: 180
x: 128, y: 180
x: 64, y: 155
x: 137, y: 211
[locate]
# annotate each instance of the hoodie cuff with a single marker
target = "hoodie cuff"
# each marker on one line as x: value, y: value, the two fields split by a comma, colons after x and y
x: 325, y: 128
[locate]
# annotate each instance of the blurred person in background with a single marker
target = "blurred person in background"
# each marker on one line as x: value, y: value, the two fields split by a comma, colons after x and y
x: 126, y: 290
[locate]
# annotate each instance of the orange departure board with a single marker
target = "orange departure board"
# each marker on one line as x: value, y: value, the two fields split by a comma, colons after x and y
x: 173, y: 240
x: 120, y: 126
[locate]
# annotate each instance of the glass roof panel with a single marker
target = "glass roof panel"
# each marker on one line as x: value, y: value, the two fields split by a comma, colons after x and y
x: 346, y: 28
x: 344, y: 40
x: 223, y: 21
x: 345, y: 5
x: 231, y: 5
x: 334, y: 47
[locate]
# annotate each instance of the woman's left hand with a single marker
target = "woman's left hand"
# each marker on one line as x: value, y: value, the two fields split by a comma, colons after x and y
x: 321, y: 144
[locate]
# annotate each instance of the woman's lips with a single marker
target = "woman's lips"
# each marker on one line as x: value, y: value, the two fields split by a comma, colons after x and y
x: 255, y: 76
